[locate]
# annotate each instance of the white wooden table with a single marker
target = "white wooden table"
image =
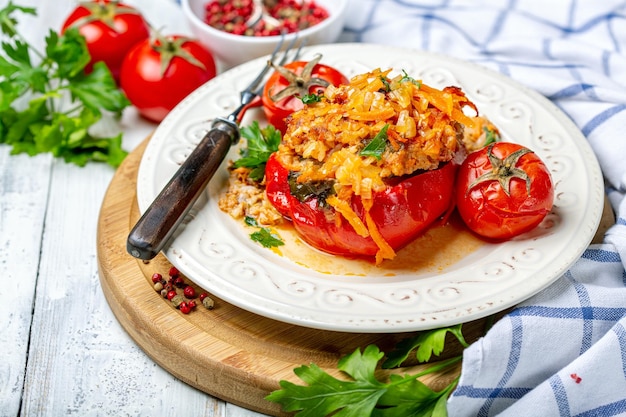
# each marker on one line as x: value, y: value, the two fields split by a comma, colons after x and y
x: 63, y: 351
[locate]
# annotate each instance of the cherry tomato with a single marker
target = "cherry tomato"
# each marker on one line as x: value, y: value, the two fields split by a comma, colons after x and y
x: 287, y: 86
x: 110, y: 29
x: 405, y: 209
x: 157, y: 74
x: 503, y: 190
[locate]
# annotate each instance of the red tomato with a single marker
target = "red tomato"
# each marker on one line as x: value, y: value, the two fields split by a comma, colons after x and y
x: 503, y: 190
x: 110, y: 29
x: 157, y: 75
x: 288, y: 84
x: 401, y: 212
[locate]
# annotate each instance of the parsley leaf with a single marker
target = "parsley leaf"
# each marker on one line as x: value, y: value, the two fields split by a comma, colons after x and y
x: 427, y: 343
x: 51, y: 106
x: 264, y: 235
x: 385, y: 81
x: 364, y: 394
x: 261, y: 144
x: 68, y: 53
x: 326, y: 394
x: 266, y: 238
x: 311, y: 98
x: 251, y: 221
x: 407, y: 77
x: 97, y: 90
x: 376, y: 147
x: 7, y: 22
x: 491, y: 136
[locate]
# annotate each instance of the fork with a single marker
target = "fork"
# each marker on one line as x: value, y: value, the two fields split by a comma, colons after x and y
x: 158, y: 223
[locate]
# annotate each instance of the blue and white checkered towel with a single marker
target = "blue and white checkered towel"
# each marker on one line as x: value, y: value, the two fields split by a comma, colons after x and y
x: 563, y: 352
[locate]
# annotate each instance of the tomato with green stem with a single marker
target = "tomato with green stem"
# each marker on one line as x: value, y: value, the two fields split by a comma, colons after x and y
x: 503, y: 190
x: 159, y: 73
x: 293, y: 84
x: 110, y: 29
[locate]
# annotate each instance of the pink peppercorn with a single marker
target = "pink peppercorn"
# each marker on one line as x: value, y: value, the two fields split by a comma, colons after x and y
x: 179, y: 282
x: 184, y: 307
x: 189, y: 292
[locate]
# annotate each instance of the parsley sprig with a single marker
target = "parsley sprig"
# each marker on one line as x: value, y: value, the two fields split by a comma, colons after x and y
x: 261, y: 143
x: 264, y: 235
x: 491, y: 136
x: 364, y: 394
x: 311, y: 98
x: 425, y: 345
x: 48, y: 104
x: 406, y: 77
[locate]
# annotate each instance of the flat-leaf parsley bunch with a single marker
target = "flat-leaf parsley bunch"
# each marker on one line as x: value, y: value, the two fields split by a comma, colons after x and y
x: 33, y: 86
x: 363, y: 394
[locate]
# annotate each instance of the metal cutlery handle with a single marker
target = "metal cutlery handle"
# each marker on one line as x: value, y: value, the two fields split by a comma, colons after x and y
x: 160, y: 220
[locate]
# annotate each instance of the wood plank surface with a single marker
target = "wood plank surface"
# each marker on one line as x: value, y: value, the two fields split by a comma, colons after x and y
x: 227, y: 352
x: 24, y: 193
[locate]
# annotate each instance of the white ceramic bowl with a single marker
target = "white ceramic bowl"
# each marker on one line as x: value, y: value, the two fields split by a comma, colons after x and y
x: 231, y: 50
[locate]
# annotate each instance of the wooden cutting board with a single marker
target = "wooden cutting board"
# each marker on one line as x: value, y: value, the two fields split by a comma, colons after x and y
x: 226, y: 352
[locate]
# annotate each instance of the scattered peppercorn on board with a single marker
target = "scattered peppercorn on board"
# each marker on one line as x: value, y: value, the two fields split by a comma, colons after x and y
x: 227, y: 352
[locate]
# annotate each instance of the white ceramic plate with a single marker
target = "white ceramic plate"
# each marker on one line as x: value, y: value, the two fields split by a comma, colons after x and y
x: 472, y: 280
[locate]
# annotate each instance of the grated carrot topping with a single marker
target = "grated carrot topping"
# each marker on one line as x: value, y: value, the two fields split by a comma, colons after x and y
x: 346, y: 211
x: 385, y: 251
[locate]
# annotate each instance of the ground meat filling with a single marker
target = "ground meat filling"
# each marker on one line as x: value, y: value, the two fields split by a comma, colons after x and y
x: 246, y: 198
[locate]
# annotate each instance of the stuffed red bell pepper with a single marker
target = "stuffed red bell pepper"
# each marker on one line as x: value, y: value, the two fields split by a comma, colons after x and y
x: 371, y: 166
